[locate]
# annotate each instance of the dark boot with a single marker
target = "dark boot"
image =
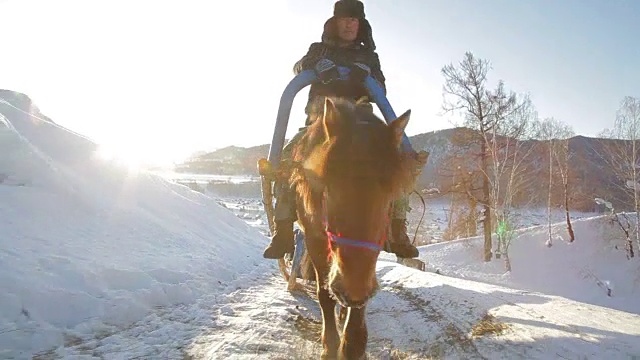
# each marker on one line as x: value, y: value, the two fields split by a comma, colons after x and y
x: 400, y: 243
x: 281, y: 242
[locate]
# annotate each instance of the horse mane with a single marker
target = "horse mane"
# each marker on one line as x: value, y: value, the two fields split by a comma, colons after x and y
x: 323, y: 159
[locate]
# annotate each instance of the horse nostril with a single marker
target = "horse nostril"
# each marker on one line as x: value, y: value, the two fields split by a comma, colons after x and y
x: 342, y: 296
x: 345, y: 300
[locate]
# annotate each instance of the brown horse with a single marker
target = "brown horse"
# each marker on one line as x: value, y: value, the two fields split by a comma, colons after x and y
x: 350, y: 168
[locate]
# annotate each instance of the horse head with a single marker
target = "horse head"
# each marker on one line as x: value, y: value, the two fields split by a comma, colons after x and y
x: 352, y: 170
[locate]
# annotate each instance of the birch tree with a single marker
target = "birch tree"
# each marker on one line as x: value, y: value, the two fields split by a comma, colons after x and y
x: 622, y: 153
x: 555, y: 137
x: 510, y: 154
x: 487, y: 112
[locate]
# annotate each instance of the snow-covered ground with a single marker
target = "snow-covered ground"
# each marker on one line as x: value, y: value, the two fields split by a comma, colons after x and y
x: 100, y: 261
x: 590, y: 269
x: 593, y: 269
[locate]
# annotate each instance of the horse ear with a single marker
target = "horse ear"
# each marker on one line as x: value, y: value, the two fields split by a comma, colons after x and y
x: 330, y: 118
x: 398, y: 125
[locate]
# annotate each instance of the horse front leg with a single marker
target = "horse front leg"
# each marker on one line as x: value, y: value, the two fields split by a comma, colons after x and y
x: 317, y: 247
x: 316, y: 243
x: 353, y: 344
x: 330, y: 336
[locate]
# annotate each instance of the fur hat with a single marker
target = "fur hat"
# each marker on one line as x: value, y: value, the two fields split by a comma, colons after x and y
x: 350, y: 8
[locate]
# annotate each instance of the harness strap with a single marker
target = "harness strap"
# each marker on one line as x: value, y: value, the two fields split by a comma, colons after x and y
x: 339, y: 240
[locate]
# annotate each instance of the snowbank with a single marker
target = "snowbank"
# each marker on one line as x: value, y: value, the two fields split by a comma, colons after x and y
x: 87, y: 242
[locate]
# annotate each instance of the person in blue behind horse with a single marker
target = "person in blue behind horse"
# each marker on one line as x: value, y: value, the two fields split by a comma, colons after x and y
x: 346, y: 41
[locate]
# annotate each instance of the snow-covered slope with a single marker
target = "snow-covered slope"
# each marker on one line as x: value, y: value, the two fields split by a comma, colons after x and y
x: 99, y: 261
x: 86, y: 242
x: 593, y: 269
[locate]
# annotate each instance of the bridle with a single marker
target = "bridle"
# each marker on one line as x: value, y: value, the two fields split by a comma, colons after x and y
x: 335, y: 240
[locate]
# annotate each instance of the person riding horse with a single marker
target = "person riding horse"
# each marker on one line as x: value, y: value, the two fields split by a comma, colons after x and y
x: 346, y: 41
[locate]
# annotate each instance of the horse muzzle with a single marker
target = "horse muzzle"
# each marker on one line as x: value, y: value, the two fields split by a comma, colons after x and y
x: 354, y: 299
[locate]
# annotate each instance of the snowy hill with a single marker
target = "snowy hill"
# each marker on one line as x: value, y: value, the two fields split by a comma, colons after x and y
x: 101, y: 261
x: 87, y: 244
x: 593, y: 269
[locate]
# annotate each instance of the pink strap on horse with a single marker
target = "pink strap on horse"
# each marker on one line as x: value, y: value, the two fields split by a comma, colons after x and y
x: 338, y: 239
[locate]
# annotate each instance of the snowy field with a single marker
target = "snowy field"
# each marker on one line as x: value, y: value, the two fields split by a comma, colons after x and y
x: 99, y: 261
x: 434, y: 215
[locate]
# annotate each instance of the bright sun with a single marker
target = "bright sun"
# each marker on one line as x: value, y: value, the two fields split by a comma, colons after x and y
x: 129, y: 159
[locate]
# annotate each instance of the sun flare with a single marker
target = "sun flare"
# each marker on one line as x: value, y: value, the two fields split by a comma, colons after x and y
x: 129, y: 159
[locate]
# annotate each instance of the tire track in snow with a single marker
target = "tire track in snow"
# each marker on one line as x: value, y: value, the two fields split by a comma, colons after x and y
x: 402, y: 325
x: 448, y: 334
x: 433, y: 321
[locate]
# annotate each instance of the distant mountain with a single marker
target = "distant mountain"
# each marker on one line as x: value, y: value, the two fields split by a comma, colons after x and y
x: 589, y: 173
x: 234, y: 160
x: 231, y: 160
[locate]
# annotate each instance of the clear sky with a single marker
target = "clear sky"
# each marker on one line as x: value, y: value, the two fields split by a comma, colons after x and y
x: 160, y: 79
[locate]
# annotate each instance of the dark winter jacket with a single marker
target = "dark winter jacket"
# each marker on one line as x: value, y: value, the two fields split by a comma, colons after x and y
x: 342, y: 57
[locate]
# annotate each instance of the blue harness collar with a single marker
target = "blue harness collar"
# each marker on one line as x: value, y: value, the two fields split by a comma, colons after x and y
x: 339, y: 240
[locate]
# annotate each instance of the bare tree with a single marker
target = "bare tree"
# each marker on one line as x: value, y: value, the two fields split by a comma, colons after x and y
x: 485, y: 111
x: 509, y: 171
x: 563, y: 156
x: 555, y: 136
x: 462, y: 184
x: 622, y: 153
x: 625, y: 226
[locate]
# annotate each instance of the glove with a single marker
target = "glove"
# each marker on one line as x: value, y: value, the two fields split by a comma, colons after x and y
x: 422, y: 157
x: 421, y: 160
x: 418, y: 161
x: 326, y: 71
x: 359, y: 72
